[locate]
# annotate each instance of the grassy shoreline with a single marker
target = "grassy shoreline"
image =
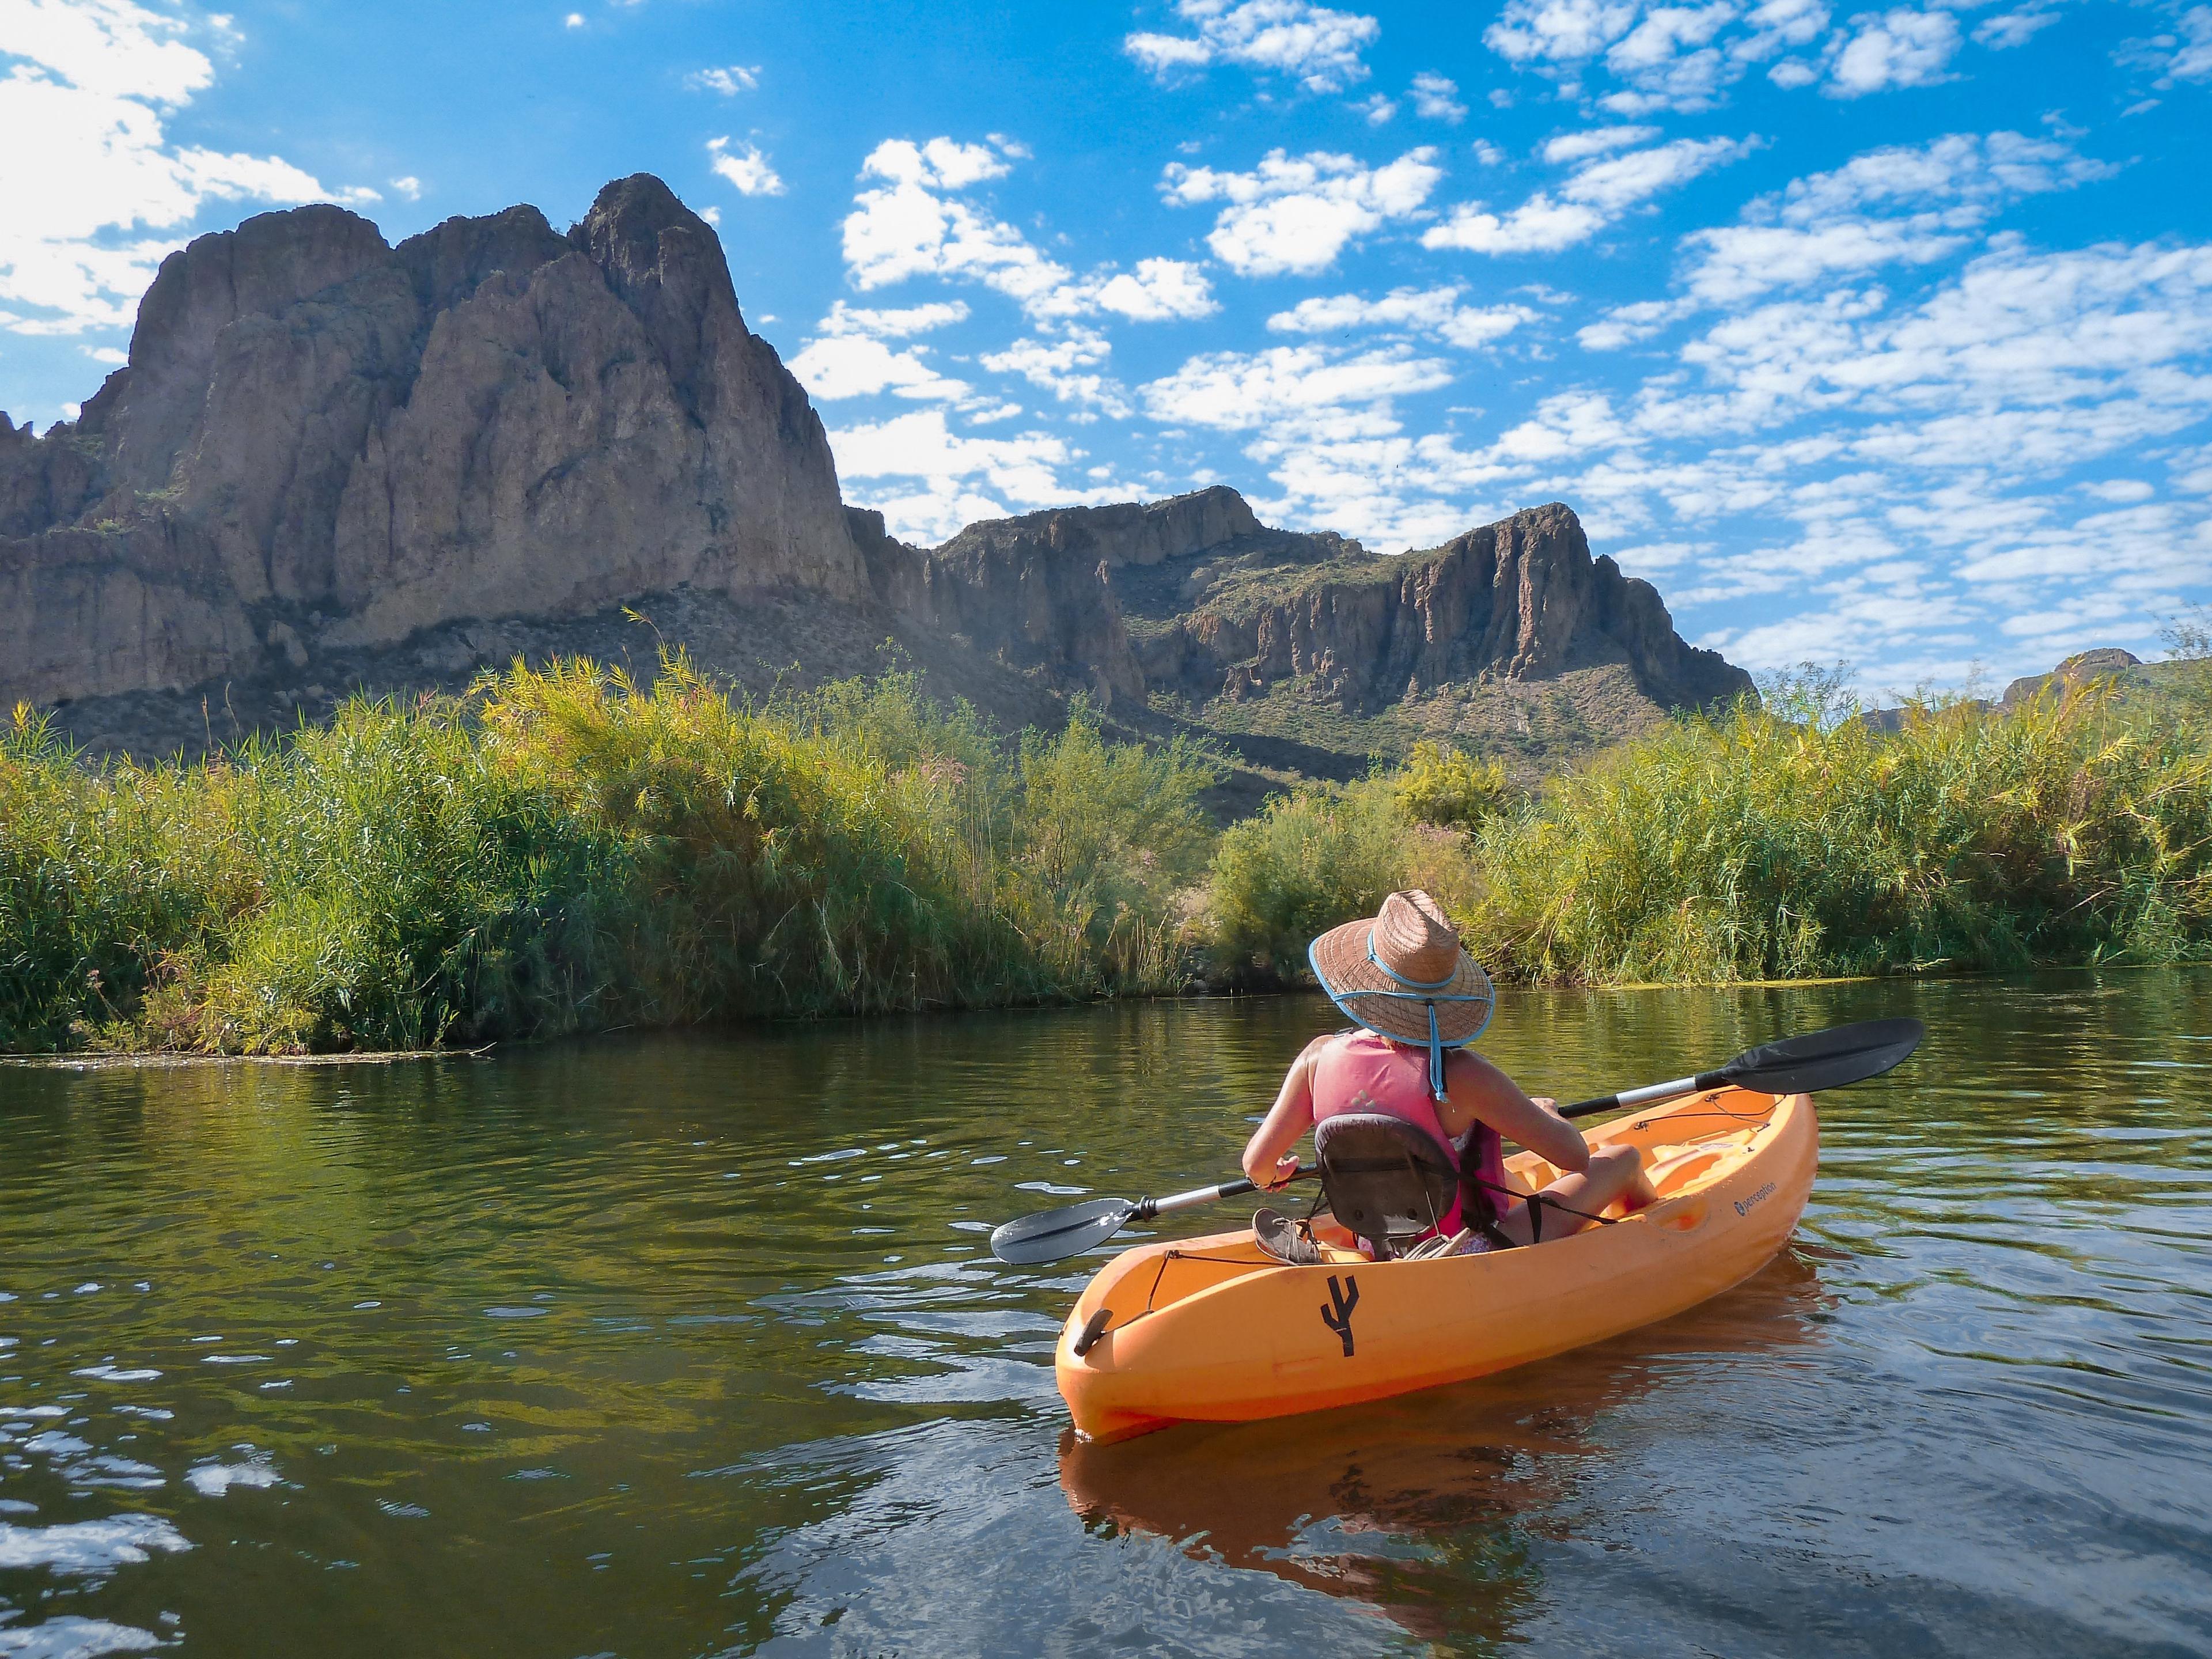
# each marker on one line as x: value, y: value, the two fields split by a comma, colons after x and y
x: 565, y: 852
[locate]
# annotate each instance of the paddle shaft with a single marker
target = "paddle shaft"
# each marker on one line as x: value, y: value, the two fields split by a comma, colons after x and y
x: 1680, y: 1085
x: 1148, y: 1208
x: 1833, y: 1059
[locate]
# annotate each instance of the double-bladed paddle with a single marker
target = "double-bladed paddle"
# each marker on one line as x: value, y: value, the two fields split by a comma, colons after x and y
x: 1803, y: 1065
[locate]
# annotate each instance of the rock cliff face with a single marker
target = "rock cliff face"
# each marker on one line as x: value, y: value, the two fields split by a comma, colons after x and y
x: 1193, y: 596
x: 323, y: 443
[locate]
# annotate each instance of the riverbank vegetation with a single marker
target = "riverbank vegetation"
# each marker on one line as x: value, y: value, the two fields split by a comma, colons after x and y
x: 1788, y: 843
x: 565, y: 851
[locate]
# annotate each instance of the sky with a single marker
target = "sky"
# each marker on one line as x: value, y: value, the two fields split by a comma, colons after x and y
x: 1880, y: 336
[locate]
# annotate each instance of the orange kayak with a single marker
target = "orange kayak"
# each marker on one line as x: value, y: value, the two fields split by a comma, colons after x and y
x: 1209, y: 1330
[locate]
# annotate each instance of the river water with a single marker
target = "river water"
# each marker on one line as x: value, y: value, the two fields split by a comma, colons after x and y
x: 692, y: 1345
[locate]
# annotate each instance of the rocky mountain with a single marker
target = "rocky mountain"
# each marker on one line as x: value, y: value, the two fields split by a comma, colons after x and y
x: 322, y: 443
x: 1195, y: 608
x: 333, y: 463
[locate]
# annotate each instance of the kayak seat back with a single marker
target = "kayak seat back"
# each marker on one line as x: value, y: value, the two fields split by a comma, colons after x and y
x: 1387, y: 1181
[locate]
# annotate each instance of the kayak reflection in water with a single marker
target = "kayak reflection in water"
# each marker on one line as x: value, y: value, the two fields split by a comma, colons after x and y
x: 1417, y: 999
x: 1439, y: 1508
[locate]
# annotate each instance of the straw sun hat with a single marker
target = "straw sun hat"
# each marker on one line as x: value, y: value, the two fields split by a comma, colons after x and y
x: 1403, y: 975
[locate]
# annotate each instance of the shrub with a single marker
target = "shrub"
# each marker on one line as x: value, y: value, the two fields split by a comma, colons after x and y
x: 1750, y: 846
x: 1440, y: 786
x: 1312, y: 859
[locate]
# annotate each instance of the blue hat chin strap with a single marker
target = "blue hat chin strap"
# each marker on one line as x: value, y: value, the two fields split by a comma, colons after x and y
x: 1427, y: 992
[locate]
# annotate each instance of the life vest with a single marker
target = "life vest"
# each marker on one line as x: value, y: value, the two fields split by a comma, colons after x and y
x: 1360, y: 1072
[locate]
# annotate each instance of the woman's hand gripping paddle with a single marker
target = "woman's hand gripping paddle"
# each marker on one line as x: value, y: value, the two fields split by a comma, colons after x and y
x: 1058, y: 1234
x: 1796, y: 1065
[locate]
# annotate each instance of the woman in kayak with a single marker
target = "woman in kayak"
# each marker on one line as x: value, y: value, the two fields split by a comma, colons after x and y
x: 1417, y: 998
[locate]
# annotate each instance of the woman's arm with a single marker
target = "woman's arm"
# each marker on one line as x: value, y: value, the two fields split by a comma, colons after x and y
x: 1480, y: 1091
x: 1288, y: 1119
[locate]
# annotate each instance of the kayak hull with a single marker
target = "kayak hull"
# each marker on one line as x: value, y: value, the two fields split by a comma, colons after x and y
x: 1209, y: 1329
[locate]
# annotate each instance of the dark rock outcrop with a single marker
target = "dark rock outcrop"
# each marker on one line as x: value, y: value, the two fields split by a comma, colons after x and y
x: 2076, y: 670
x: 322, y: 443
x: 1194, y: 597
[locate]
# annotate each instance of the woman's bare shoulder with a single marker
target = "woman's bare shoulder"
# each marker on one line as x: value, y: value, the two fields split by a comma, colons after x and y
x: 1474, y: 1064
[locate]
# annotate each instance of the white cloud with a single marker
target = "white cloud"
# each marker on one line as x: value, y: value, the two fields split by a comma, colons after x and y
x: 1157, y: 290
x: 729, y: 81
x: 411, y: 187
x: 2120, y: 489
x: 893, y: 324
x: 1612, y: 187
x: 952, y: 472
x: 1559, y: 31
x: 1667, y: 57
x: 1402, y: 307
x: 1053, y: 365
x: 1539, y: 225
x: 1378, y: 109
x: 915, y: 224
x: 2192, y: 58
x: 1779, y: 26
x: 1898, y: 48
x: 920, y: 445
x: 1434, y: 311
x: 1899, y: 205
x: 1666, y: 61
x: 1478, y: 325
x: 1297, y: 213
x: 2014, y: 28
x: 943, y: 162
x: 1436, y: 98
x: 1581, y: 146
x: 1684, y: 58
x: 745, y: 167
x: 1311, y: 388
x: 911, y: 226
x: 1624, y: 326
x: 1594, y: 196
x: 94, y: 84
x: 1319, y: 47
x: 859, y: 365
x: 2027, y: 364
x: 575, y: 20
x: 2184, y: 53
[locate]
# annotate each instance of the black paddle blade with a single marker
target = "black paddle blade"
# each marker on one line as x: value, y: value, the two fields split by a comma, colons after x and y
x: 1826, y: 1060
x: 1031, y: 1239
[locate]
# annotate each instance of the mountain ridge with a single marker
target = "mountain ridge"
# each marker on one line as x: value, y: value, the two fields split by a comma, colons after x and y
x: 332, y: 462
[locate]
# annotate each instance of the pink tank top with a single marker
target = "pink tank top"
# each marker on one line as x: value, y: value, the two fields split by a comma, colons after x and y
x: 1364, y: 1072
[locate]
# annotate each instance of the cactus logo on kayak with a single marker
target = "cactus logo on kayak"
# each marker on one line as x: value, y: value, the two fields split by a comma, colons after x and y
x: 1338, y: 1318
x: 1746, y: 1206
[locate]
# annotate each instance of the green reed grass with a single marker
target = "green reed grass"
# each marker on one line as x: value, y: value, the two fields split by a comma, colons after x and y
x: 1753, y: 845
x: 566, y: 851
x: 1750, y: 847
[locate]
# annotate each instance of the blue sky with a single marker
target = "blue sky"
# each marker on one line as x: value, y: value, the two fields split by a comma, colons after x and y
x: 1877, y: 334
